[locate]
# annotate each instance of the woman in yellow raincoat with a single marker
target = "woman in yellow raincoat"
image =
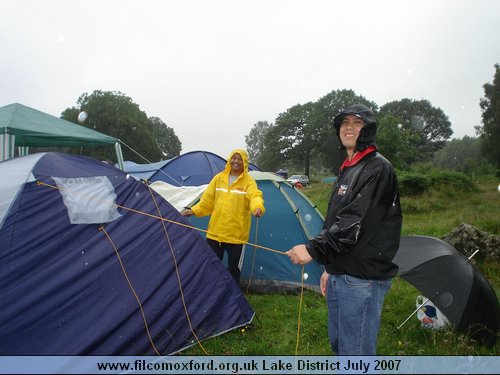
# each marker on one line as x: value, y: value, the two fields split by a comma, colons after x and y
x: 231, y: 198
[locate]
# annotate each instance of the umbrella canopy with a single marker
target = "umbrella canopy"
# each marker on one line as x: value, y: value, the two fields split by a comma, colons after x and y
x: 452, y: 283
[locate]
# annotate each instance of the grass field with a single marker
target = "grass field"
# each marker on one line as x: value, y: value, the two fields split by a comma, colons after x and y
x: 276, y: 330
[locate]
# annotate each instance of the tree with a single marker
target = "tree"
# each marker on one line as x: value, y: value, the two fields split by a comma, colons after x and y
x: 489, y: 133
x: 255, y: 141
x: 304, y: 133
x: 165, y: 139
x: 425, y: 127
x: 298, y: 134
x: 115, y: 114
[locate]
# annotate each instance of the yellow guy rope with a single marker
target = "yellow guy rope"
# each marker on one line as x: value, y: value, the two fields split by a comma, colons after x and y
x: 131, y: 288
x: 300, y: 310
x: 178, y: 274
x: 253, y: 256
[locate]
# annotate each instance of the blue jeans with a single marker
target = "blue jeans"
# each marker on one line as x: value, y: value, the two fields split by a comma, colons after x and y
x: 354, y: 310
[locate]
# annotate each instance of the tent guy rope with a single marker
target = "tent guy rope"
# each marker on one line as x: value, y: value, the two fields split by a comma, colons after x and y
x: 171, y: 221
x: 179, y: 282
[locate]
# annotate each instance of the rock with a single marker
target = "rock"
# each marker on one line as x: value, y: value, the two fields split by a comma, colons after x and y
x: 467, y: 239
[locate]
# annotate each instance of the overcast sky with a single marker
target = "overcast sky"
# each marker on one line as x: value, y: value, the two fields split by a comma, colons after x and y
x: 210, y: 69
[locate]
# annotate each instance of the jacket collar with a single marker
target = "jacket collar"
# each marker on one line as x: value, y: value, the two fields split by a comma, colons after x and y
x: 357, y: 157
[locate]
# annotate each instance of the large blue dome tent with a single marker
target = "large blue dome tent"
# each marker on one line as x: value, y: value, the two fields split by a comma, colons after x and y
x: 192, y: 168
x: 88, y: 266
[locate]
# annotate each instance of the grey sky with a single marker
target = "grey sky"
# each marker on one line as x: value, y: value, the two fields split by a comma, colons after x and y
x: 211, y: 69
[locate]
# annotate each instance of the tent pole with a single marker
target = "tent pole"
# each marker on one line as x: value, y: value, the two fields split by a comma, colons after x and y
x: 427, y: 300
x: 7, y: 143
x: 119, y: 155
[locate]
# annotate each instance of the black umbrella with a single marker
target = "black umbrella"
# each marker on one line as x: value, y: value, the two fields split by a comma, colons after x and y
x: 453, y: 284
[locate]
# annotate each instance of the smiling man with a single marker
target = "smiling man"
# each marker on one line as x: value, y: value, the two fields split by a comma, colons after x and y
x: 359, y: 239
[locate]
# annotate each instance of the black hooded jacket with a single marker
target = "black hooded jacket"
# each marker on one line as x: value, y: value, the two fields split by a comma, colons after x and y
x: 363, y: 223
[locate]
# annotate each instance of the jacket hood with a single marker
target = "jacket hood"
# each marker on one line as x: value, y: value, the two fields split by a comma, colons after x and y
x: 368, y: 133
x: 244, y: 156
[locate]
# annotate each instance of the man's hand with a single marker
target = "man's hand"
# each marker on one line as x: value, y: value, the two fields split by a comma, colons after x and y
x: 299, y: 255
x: 187, y: 212
x: 257, y: 213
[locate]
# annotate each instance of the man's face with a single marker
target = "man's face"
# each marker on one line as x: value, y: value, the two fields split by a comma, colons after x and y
x: 349, y: 131
x: 236, y: 164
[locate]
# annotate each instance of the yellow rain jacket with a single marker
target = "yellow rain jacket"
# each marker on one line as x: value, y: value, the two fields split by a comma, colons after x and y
x: 230, y: 206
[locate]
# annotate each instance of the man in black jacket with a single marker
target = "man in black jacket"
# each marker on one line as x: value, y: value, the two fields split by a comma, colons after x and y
x: 359, y: 239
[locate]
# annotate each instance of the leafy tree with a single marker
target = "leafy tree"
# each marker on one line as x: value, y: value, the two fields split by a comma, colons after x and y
x: 298, y: 134
x: 165, y: 139
x: 255, y: 141
x: 490, y: 131
x: 115, y: 114
x: 424, y: 127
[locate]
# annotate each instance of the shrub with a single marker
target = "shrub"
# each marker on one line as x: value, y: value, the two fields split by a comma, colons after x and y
x: 449, y: 179
x: 416, y: 183
x: 412, y: 183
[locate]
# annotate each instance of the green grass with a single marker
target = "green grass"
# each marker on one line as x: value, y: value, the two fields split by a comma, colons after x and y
x: 435, y: 214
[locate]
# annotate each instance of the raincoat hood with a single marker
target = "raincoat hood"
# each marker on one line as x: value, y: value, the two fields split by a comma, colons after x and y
x: 367, y: 134
x: 243, y: 155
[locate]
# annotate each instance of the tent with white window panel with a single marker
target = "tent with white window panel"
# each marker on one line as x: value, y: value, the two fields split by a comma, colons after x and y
x: 86, y: 267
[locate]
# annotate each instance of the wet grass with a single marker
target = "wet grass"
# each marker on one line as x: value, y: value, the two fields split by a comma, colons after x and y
x: 436, y: 213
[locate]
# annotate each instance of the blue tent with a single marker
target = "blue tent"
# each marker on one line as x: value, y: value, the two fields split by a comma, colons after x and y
x: 88, y: 268
x: 143, y: 171
x: 190, y: 169
x: 290, y: 219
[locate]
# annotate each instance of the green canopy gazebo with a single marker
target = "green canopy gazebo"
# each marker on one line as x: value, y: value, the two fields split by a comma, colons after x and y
x: 24, y: 127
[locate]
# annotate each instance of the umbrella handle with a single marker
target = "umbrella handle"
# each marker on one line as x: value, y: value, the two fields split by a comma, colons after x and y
x: 414, y: 312
x: 427, y: 300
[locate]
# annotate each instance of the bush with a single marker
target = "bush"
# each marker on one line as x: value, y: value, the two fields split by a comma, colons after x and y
x: 449, y: 179
x: 412, y: 183
x: 416, y: 183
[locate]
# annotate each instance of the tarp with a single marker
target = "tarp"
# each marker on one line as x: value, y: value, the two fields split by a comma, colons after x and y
x: 34, y: 128
x: 94, y: 262
x: 24, y: 127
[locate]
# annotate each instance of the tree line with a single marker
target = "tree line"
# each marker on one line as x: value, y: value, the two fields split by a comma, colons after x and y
x: 410, y: 132
x: 302, y: 137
